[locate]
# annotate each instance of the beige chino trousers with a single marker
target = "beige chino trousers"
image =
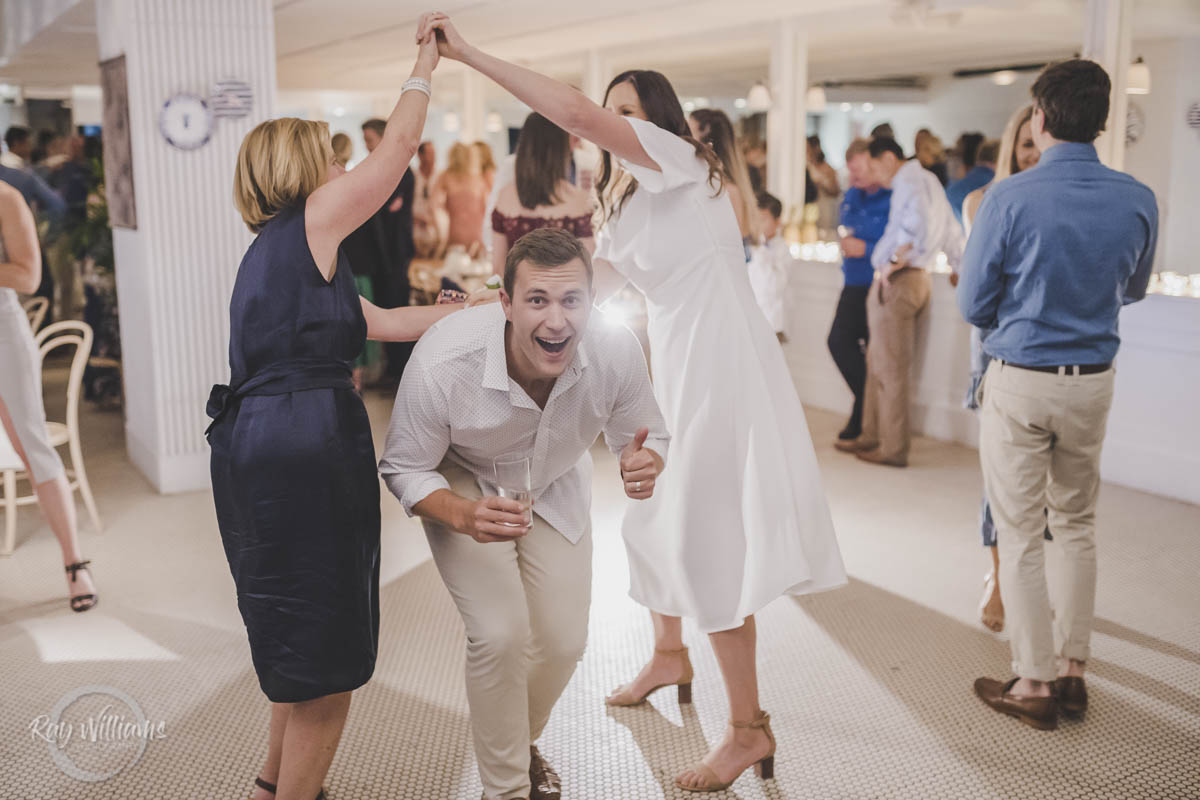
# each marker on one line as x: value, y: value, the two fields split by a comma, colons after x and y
x: 525, y: 607
x: 892, y: 313
x: 1039, y: 447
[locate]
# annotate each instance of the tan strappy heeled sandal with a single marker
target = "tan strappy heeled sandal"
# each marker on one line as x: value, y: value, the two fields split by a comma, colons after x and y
x: 764, y: 768
x: 622, y: 698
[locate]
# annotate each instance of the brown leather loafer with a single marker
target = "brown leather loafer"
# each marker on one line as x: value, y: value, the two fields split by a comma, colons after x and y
x: 1036, y: 712
x: 853, y: 445
x: 876, y: 456
x: 1071, y: 692
x: 544, y: 783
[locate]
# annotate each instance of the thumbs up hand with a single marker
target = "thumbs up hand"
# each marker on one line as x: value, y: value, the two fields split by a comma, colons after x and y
x: 639, y: 467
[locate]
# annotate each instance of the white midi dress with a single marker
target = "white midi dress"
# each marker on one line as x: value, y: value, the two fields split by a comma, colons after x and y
x: 739, y: 517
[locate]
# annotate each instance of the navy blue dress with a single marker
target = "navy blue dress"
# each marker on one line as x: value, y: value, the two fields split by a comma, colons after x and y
x: 293, y: 470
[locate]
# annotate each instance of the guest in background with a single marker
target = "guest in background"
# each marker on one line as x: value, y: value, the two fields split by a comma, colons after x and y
x: 962, y: 157
x: 343, y: 149
x: 769, y: 264
x: 980, y: 175
x: 712, y: 126
x: 426, y: 231
x: 920, y: 225
x: 21, y: 410
x: 462, y: 193
x: 864, y: 215
x: 20, y: 147
x: 883, y: 131
x: 540, y: 196
x: 380, y: 252
x: 931, y: 154
x: 486, y: 162
x: 756, y: 166
x: 829, y: 192
x: 1054, y: 255
x: 1018, y: 152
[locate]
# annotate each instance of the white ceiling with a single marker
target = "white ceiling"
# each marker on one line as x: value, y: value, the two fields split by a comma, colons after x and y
x: 713, y: 47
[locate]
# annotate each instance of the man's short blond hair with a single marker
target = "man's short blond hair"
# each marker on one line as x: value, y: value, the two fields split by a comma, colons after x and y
x: 857, y: 147
x: 281, y: 162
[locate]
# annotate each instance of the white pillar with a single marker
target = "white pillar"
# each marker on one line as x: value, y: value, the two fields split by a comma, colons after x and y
x: 1106, y: 40
x: 786, y: 132
x: 175, y: 271
x: 474, y: 112
x: 595, y: 75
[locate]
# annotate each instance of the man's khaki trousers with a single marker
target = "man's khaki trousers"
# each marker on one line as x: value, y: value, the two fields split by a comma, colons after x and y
x: 525, y: 606
x: 1039, y: 446
x: 892, y: 313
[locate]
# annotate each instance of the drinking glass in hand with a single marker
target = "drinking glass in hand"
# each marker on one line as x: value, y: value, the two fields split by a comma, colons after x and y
x: 513, y: 482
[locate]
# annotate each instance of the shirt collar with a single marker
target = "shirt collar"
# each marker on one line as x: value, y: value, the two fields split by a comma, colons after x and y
x: 1070, y: 151
x: 495, y: 367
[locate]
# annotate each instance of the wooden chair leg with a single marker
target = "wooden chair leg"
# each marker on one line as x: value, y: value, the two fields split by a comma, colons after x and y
x: 10, y: 512
x: 85, y: 489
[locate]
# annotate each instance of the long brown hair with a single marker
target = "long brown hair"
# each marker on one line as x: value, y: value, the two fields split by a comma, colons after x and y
x: 662, y: 108
x: 542, y: 152
x: 717, y: 132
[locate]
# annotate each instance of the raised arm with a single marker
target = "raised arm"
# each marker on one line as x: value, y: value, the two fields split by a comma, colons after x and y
x: 571, y: 110
x: 341, y: 205
x: 23, y: 269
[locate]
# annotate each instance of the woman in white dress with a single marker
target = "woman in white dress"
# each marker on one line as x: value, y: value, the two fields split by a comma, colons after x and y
x: 740, y: 517
x: 21, y: 411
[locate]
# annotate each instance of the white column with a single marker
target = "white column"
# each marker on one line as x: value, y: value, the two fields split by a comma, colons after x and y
x: 1106, y: 40
x: 474, y: 112
x: 595, y: 75
x: 786, y: 130
x: 175, y: 272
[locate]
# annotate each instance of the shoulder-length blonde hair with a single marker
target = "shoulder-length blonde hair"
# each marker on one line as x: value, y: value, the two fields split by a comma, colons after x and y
x: 281, y: 162
x: 1006, y: 163
x: 462, y: 159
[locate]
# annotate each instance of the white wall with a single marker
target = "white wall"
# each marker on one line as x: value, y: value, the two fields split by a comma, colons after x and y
x: 1167, y: 157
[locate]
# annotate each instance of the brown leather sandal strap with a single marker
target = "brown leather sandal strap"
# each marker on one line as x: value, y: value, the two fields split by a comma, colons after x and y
x: 260, y: 783
x: 672, y: 652
x: 763, y: 720
x: 74, y: 568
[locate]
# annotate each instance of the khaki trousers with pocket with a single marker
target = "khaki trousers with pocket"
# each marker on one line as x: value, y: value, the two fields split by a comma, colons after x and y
x: 525, y: 607
x: 1039, y: 446
x: 892, y: 313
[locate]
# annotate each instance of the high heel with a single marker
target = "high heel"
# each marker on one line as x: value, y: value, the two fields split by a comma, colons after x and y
x: 81, y: 602
x: 622, y: 699
x: 270, y: 787
x: 763, y: 768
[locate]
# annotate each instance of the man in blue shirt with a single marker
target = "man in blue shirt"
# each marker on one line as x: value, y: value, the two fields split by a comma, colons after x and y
x: 1054, y: 254
x: 979, y: 176
x: 864, y: 216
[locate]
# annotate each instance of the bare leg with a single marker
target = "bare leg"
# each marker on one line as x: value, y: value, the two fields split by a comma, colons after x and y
x: 280, y: 713
x: 666, y: 665
x: 992, y: 614
x: 740, y: 748
x: 310, y: 739
x: 58, y: 507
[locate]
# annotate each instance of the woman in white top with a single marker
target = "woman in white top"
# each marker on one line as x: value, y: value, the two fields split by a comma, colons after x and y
x: 740, y: 516
x: 21, y: 409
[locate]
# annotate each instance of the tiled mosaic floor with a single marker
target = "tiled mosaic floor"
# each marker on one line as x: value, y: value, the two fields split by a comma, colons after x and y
x: 869, y: 686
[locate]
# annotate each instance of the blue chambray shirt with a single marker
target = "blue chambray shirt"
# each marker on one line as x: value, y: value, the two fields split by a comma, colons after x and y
x: 1054, y: 253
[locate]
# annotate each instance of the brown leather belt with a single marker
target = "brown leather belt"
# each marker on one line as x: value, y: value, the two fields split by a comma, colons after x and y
x: 1072, y: 369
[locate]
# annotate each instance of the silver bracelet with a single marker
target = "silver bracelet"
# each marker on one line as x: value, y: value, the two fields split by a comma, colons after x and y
x: 418, y: 84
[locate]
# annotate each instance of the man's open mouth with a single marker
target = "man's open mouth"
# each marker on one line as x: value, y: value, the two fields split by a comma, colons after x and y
x: 553, y: 345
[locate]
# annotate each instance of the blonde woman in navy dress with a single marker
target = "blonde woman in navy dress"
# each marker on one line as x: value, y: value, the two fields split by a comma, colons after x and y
x: 741, y: 518
x: 293, y: 464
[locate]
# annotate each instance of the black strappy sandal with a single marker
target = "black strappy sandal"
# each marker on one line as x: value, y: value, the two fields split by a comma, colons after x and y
x: 270, y: 787
x: 81, y: 602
